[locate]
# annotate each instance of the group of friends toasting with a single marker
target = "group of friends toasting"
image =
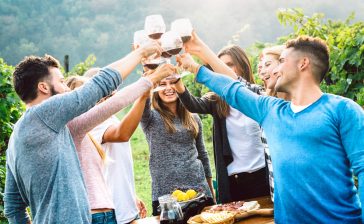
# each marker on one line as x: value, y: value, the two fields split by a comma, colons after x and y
x: 69, y: 159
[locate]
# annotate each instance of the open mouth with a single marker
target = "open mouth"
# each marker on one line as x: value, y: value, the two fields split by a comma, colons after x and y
x: 169, y: 93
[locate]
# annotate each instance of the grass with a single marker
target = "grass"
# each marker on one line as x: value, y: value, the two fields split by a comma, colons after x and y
x: 141, y: 167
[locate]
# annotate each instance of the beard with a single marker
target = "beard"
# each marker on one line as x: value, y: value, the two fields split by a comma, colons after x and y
x: 53, y: 91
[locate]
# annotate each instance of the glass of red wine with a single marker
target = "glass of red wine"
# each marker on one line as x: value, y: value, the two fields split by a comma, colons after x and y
x: 154, y: 26
x: 183, y: 27
x: 140, y: 38
x: 171, y: 44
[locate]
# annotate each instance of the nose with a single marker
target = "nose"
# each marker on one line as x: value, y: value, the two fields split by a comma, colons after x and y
x: 275, y: 71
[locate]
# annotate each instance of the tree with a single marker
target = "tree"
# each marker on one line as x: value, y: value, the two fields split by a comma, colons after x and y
x: 346, y: 43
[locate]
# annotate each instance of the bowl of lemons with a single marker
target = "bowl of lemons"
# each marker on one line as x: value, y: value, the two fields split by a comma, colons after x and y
x: 185, y: 197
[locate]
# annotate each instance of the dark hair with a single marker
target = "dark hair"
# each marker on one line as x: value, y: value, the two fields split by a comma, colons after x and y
x: 316, y: 49
x: 29, y: 72
x: 242, y: 64
x: 240, y: 60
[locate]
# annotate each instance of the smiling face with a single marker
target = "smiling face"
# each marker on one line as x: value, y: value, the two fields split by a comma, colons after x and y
x: 168, y: 95
x: 269, y: 63
x: 287, y: 70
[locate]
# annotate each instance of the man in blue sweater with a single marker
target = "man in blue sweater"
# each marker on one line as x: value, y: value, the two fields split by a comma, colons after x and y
x: 43, y: 171
x: 316, y: 140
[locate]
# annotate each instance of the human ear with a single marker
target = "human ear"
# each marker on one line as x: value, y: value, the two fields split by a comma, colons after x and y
x: 43, y: 87
x: 304, y: 62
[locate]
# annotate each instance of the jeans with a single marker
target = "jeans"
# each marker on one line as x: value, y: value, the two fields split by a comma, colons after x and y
x: 104, y: 218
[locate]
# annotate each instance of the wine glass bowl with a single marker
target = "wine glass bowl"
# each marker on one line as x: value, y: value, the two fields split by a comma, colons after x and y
x: 154, y: 26
x: 183, y: 27
x: 140, y: 38
x: 171, y: 44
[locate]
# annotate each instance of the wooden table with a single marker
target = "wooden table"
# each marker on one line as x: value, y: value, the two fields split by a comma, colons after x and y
x: 264, y: 202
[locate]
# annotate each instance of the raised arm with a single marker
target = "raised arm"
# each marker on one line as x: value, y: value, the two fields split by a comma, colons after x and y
x: 87, y: 121
x: 197, y: 47
x: 57, y: 111
x: 202, y: 154
x: 194, y: 104
x: 123, y: 131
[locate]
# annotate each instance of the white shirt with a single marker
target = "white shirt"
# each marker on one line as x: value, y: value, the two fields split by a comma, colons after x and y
x: 297, y: 109
x: 119, y: 173
x: 245, y: 143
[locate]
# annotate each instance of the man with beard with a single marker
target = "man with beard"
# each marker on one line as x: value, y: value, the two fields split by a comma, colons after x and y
x: 316, y: 140
x: 43, y: 170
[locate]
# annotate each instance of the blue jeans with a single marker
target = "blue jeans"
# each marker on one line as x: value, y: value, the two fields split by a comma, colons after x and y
x: 104, y: 218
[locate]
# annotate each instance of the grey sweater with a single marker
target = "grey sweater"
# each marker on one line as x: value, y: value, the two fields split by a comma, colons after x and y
x: 43, y: 170
x: 177, y: 160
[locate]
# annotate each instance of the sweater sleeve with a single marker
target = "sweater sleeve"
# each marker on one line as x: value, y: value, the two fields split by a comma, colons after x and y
x: 202, y: 153
x: 57, y: 111
x: 236, y: 94
x: 87, y: 121
x: 195, y: 104
x: 15, y: 207
x: 352, y: 138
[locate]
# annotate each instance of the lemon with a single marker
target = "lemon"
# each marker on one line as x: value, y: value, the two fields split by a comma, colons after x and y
x: 176, y: 193
x: 191, y: 193
x: 182, y: 197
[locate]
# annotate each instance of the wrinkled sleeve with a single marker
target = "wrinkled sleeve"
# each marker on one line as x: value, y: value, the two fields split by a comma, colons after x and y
x: 352, y: 138
x: 236, y: 94
x: 15, y: 207
x: 58, y: 110
x: 202, y: 153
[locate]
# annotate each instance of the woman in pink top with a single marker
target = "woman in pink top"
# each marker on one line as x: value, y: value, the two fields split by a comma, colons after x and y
x: 92, y: 164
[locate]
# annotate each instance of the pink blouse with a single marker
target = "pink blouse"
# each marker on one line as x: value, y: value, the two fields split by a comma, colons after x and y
x: 91, y: 163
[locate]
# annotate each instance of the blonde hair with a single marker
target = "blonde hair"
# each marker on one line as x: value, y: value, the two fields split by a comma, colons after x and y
x: 98, y: 147
x: 91, y: 72
x: 187, y: 120
x: 76, y: 81
x: 274, y: 50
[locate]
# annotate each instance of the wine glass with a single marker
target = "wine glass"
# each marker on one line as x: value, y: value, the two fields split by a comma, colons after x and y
x: 171, y: 44
x: 140, y: 39
x: 183, y: 27
x: 154, y: 26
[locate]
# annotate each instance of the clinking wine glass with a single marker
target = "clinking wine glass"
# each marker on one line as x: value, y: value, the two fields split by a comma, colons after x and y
x: 171, y: 44
x: 183, y: 27
x: 154, y: 26
x: 140, y: 39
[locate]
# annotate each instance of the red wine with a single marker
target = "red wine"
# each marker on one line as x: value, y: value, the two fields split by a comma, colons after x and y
x: 174, y: 51
x: 165, y: 54
x: 155, y: 36
x: 185, y: 39
x: 151, y: 66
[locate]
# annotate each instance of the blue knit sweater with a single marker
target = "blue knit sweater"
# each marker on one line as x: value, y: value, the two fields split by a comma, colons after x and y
x: 313, y: 151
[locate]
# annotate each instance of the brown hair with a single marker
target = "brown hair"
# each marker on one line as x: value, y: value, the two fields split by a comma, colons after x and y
x: 29, y: 72
x: 242, y: 64
x: 317, y: 50
x: 186, y: 117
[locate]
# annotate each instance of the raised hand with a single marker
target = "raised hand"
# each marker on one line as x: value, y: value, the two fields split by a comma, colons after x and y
x: 153, y: 48
x: 161, y: 72
x: 187, y: 63
x: 195, y: 45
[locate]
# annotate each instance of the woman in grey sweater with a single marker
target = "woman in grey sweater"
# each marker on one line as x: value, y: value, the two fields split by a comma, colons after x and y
x: 178, y: 159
